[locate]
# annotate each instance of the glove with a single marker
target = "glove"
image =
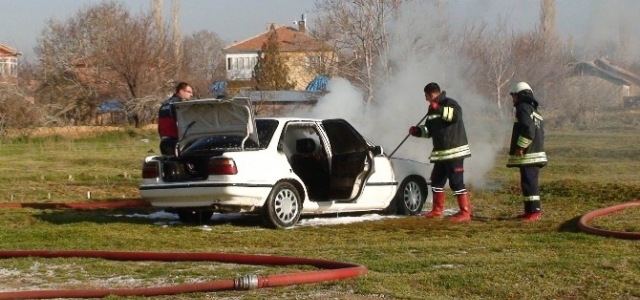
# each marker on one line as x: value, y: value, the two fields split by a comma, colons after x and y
x: 434, y: 105
x: 415, y: 131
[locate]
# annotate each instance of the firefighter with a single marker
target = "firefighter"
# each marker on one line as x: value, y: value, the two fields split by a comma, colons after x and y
x: 167, y: 123
x: 526, y: 150
x: 445, y: 127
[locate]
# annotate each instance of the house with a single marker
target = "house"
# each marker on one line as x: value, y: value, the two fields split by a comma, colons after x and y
x: 304, y: 54
x: 627, y: 84
x: 8, y: 62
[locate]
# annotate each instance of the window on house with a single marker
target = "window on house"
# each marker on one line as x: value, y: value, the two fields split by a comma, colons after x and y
x: 229, y: 64
x: 8, y: 66
x: 313, y: 61
x: 247, y: 63
x: 235, y: 63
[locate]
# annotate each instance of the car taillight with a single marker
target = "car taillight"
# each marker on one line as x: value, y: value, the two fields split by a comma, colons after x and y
x: 222, y: 166
x: 151, y: 169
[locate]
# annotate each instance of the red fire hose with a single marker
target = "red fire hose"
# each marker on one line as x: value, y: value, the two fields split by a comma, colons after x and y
x: 584, y: 220
x: 111, y: 204
x: 334, y: 270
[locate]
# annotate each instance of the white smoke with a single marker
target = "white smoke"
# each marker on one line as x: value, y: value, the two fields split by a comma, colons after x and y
x: 417, y: 59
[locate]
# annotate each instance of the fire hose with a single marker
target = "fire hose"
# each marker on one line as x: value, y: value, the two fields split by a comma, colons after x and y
x: 333, y: 270
x: 585, y: 219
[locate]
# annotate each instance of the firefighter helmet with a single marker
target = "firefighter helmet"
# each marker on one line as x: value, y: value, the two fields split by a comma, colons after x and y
x: 519, y: 87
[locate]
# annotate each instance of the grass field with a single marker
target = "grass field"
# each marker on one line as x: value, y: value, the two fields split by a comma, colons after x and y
x: 492, y: 257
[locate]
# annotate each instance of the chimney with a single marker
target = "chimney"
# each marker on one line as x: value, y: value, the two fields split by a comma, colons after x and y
x: 302, y: 24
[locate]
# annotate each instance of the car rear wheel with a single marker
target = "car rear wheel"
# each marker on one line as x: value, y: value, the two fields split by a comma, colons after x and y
x: 188, y: 216
x: 410, y: 197
x: 282, y: 209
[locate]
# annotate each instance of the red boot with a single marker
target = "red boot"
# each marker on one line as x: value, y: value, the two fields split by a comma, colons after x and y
x: 464, y: 214
x: 531, y: 217
x: 438, y: 206
x: 531, y: 211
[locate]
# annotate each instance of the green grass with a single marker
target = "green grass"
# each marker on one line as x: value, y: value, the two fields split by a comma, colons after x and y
x: 492, y: 257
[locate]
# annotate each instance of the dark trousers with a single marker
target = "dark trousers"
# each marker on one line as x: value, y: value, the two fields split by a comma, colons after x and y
x: 529, y: 181
x: 452, y: 170
x: 530, y: 188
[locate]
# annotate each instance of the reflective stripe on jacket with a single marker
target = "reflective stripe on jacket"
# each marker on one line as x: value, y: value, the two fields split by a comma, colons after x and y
x: 445, y: 127
x: 528, y: 134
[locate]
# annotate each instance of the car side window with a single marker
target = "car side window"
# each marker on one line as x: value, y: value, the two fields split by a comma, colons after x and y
x: 344, y: 138
x: 297, y: 132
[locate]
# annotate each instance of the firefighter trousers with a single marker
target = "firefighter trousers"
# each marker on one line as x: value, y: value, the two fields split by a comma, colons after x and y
x: 452, y: 170
x: 529, y: 181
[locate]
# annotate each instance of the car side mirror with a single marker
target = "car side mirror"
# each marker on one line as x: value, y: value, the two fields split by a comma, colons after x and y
x: 377, y: 150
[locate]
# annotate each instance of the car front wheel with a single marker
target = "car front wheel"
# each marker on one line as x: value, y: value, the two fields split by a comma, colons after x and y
x: 411, y: 196
x: 282, y: 208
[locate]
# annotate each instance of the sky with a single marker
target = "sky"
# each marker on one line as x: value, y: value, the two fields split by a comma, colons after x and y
x: 235, y: 20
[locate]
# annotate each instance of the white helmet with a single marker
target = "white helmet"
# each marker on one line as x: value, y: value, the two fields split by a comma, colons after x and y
x: 519, y: 87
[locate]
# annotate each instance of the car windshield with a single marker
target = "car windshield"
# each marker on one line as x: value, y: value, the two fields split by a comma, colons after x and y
x: 265, y: 128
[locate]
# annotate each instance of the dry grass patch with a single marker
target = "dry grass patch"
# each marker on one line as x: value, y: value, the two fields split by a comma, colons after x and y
x: 66, y: 131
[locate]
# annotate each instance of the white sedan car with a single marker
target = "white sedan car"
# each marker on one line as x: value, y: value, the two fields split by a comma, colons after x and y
x: 227, y: 161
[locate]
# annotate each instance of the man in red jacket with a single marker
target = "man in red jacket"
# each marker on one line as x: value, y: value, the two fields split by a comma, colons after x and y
x: 167, y: 123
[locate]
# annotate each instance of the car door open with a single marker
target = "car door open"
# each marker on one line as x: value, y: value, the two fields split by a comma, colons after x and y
x: 351, y: 160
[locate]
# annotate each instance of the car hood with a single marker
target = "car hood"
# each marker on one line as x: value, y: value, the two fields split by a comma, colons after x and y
x: 210, y: 117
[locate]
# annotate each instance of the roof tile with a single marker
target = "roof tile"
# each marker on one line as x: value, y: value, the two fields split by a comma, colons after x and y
x: 289, y: 40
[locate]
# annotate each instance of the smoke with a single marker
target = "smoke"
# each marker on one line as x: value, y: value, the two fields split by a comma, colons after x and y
x: 418, y: 54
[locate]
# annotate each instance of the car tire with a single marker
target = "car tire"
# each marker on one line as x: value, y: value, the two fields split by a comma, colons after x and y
x: 410, y: 197
x: 189, y: 216
x: 283, y: 207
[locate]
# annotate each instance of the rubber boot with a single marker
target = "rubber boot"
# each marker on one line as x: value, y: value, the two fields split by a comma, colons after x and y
x: 532, y: 211
x: 438, y: 206
x: 464, y: 214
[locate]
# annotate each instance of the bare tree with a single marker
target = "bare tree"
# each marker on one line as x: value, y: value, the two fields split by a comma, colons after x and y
x: 491, y: 53
x: 157, y: 15
x: 16, y: 112
x: 357, y: 30
x: 548, y: 20
x: 102, y: 52
x: 539, y: 52
x: 203, y: 61
x: 175, y: 24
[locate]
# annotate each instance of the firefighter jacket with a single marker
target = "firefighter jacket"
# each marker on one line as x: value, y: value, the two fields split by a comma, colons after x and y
x: 527, y: 134
x: 167, y: 123
x: 445, y: 127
